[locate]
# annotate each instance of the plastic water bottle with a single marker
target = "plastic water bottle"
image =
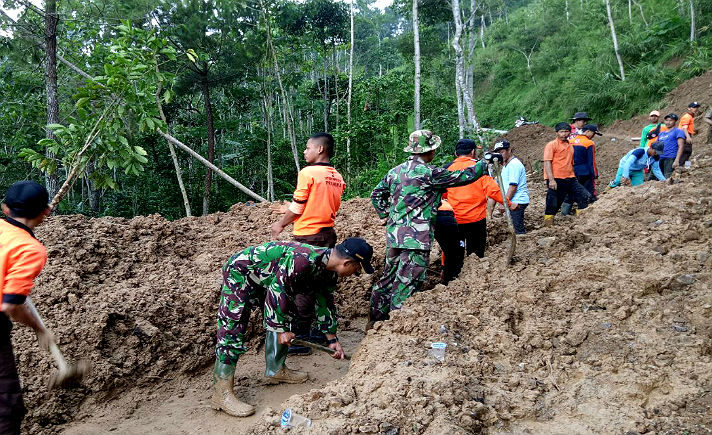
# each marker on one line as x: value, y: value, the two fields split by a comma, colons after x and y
x: 290, y: 419
x: 437, y: 351
x: 688, y: 164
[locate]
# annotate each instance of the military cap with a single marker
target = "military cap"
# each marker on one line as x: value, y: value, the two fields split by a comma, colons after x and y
x: 422, y: 141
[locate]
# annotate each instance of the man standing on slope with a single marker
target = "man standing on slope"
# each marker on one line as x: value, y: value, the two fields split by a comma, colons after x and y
x: 271, y: 275
x: 650, y: 132
x: 22, y: 258
x: 673, y: 140
x: 408, y: 196
x: 559, y: 175
x: 708, y: 119
x: 313, y: 210
x: 687, y: 124
x: 584, y: 163
x: 470, y: 202
x: 514, y: 177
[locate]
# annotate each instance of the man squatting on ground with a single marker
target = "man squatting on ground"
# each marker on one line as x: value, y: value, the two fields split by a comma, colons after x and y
x: 270, y: 276
x: 469, y: 202
x: 559, y: 174
x: 514, y: 177
x: 633, y: 165
x: 22, y: 258
x: 315, y: 203
x: 408, y: 197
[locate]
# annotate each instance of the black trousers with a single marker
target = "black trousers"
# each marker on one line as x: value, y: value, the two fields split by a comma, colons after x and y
x: 475, y: 236
x: 304, y: 303
x: 448, y: 237
x: 565, y: 187
x: 12, y: 407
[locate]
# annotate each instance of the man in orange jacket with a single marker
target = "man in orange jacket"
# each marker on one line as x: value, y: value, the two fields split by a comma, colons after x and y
x: 687, y: 124
x: 22, y: 258
x: 469, y: 202
x: 315, y: 202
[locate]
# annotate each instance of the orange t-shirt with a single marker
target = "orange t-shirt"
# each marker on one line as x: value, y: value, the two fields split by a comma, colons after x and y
x: 469, y: 202
x: 655, y: 139
x: 317, y: 198
x: 687, y: 122
x: 561, y: 155
x: 22, y: 258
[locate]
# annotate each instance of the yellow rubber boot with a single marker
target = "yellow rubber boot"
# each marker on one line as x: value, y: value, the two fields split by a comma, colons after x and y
x: 548, y: 220
x: 224, y: 398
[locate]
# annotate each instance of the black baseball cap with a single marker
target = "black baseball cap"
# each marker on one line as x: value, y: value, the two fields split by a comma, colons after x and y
x: 359, y: 250
x: 465, y: 146
x: 693, y: 104
x: 501, y: 145
x: 672, y: 116
x: 593, y: 128
x: 562, y: 126
x: 580, y: 115
x: 27, y: 199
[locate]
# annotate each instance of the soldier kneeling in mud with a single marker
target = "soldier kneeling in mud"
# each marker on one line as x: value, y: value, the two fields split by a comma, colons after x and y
x: 271, y: 275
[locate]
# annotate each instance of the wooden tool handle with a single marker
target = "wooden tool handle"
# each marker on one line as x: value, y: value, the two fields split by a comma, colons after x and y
x: 315, y: 346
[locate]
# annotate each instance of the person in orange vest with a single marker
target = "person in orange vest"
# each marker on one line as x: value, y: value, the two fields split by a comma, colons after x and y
x: 22, y: 258
x: 469, y: 202
x: 687, y: 124
x: 559, y: 175
x: 313, y: 209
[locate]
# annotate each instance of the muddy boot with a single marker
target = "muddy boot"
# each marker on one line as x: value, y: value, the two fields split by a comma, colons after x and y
x: 223, y: 397
x: 565, y: 209
x: 275, y: 370
x: 369, y: 325
x: 548, y: 220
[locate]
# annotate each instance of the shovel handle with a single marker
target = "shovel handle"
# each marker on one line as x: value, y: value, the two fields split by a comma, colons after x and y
x: 53, y: 349
x: 315, y: 346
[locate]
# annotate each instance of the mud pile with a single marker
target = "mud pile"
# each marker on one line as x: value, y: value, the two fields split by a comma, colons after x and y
x: 600, y: 326
x: 138, y: 297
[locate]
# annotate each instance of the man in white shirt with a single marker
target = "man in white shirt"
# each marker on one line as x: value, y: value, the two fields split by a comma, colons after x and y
x: 514, y: 177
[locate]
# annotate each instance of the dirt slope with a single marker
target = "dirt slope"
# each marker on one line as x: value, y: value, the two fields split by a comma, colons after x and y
x: 601, y: 326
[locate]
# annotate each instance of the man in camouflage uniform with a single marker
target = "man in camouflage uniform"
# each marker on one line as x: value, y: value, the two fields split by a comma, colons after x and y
x: 409, y: 196
x: 271, y: 275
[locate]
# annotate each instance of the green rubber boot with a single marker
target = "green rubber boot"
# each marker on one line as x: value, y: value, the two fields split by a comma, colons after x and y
x: 275, y: 369
x: 223, y: 396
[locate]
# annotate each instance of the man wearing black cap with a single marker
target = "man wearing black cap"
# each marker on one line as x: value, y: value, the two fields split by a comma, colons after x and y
x: 271, y: 275
x: 673, y: 140
x: 559, y: 174
x: 584, y: 162
x: 580, y: 119
x: 687, y: 124
x: 22, y: 258
x: 514, y: 177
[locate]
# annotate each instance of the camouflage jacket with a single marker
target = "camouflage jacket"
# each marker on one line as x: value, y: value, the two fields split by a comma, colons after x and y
x: 409, y: 196
x: 281, y: 270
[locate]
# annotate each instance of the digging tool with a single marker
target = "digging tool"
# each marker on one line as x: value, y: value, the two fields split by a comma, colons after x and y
x: 315, y: 346
x: 66, y: 374
x: 512, y: 236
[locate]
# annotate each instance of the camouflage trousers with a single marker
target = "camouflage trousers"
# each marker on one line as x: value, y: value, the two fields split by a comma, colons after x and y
x: 404, y: 272
x: 237, y: 298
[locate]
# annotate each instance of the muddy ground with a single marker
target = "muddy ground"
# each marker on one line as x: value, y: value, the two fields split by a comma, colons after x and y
x: 601, y: 324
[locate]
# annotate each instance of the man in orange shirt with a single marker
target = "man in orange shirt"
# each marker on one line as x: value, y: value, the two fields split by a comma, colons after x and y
x: 315, y: 202
x: 470, y: 202
x: 559, y: 175
x: 22, y: 258
x: 687, y: 124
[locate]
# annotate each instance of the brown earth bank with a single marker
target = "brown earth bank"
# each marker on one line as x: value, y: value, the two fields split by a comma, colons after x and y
x: 599, y: 326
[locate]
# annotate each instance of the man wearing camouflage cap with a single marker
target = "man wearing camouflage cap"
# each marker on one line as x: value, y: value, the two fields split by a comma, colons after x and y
x: 408, y: 197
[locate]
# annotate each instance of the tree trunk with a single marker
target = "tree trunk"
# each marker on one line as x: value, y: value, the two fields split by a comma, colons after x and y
x: 416, y: 61
x: 174, y: 157
x: 630, y: 12
x: 50, y: 43
x: 94, y: 194
x: 471, y: 49
x: 482, y: 30
x: 325, y: 90
x: 460, y: 67
x: 267, y: 114
x: 348, y: 100
x: 615, y: 39
x: 460, y: 110
x: 642, y: 14
x: 217, y: 170
x: 566, y: 6
x: 211, y: 144
x: 692, y: 21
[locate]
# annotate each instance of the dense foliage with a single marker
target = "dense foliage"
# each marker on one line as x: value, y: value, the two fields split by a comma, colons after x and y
x: 211, y: 64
